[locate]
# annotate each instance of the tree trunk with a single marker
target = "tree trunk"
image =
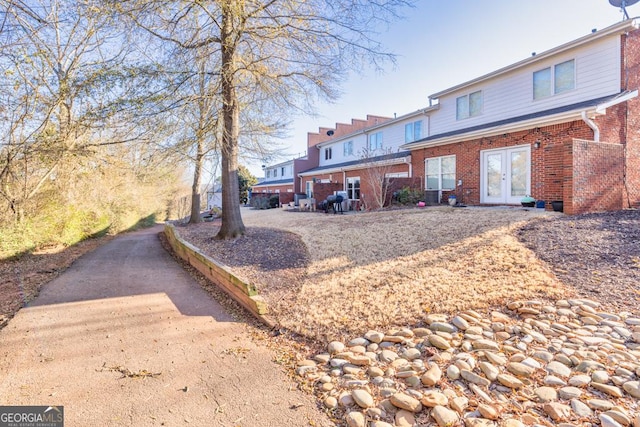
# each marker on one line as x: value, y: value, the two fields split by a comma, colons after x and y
x: 195, y: 189
x: 232, y: 225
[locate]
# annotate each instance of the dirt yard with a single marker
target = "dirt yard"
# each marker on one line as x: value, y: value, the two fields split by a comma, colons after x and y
x: 331, y: 276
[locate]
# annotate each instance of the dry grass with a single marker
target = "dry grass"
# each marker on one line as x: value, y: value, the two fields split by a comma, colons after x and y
x: 384, y: 269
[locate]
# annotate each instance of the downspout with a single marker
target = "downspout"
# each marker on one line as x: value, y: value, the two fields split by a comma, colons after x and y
x: 592, y: 125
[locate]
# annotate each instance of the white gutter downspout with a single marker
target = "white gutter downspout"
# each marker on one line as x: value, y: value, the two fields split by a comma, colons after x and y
x: 592, y: 125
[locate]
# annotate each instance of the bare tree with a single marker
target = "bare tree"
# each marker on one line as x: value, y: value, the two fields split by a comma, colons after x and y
x: 377, y: 166
x: 290, y: 52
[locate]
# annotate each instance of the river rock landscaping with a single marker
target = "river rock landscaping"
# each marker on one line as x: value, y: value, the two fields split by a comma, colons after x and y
x: 531, y: 364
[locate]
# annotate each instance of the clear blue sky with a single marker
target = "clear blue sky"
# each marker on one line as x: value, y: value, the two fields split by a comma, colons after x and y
x: 442, y: 43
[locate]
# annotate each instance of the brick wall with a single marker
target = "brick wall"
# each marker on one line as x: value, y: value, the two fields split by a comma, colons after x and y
x: 596, y: 183
x: 631, y: 116
x: 547, y: 162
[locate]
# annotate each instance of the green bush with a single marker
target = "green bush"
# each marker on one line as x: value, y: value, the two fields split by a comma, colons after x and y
x: 274, y: 201
x: 408, y: 196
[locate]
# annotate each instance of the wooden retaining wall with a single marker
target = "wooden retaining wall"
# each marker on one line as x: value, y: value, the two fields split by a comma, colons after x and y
x: 219, y: 274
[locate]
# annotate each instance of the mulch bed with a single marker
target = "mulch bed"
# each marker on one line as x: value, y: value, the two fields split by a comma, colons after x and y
x: 596, y: 254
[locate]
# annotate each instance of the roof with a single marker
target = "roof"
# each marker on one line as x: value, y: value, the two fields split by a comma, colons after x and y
x: 392, y: 156
x: 275, y: 182
x: 618, y: 28
x: 541, y: 118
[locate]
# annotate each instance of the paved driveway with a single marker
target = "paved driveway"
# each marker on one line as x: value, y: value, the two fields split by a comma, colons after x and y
x: 125, y: 337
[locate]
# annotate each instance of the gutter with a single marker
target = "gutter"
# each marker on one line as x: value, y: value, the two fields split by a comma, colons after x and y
x: 592, y: 125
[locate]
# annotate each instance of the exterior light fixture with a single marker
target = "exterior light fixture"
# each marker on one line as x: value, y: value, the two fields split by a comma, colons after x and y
x: 536, y: 144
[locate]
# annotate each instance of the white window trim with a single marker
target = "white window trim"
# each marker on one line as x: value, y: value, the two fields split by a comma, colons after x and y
x: 468, y: 114
x: 552, y: 83
x: 353, y: 179
x: 379, y: 141
x: 439, y: 158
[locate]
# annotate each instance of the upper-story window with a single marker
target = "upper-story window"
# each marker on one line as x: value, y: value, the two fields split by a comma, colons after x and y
x: 347, y: 148
x: 554, y: 80
x: 413, y: 131
x: 327, y: 153
x: 269, y: 173
x: 275, y: 173
x: 282, y: 171
x: 375, y: 141
x: 469, y: 105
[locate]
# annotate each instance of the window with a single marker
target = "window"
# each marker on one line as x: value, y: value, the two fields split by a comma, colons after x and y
x: 275, y: 173
x: 282, y: 171
x: 347, y: 148
x: 353, y: 188
x: 565, y: 77
x: 327, y: 153
x: 413, y: 131
x: 562, y: 79
x: 269, y: 174
x: 375, y: 141
x: 469, y: 105
x: 441, y: 173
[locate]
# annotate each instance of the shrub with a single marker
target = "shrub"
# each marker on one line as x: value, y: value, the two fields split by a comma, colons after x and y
x: 408, y: 196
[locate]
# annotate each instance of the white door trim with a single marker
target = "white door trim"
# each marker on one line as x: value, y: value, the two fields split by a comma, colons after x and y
x: 506, y: 171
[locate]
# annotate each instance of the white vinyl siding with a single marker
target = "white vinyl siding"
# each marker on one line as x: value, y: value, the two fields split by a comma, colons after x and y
x: 597, y: 74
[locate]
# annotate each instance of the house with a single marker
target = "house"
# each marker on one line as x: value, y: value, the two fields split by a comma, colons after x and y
x: 561, y: 125
x: 355, y: 161
x: 284, y: 177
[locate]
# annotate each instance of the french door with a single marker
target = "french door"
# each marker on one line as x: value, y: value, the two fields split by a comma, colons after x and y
x: 505, y: 175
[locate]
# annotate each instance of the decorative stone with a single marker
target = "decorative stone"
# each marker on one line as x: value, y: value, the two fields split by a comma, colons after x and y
x: 519, y: 369
x: 600, y: 377
x: 484, y: 344
x: 330, y: 402
x: 459, y: 404
x: 568, y: 393
x: 355, y: 419
x: 607, y: 421
x: 546, y: 394
x: 579, y: 380
x: 404, y: 401
x: 362, y: 398
x: 490, y: 371
x: 559, y: 369
x: 510, y: 381
x: 474, y: 378
x: 405, y: 418
x: 633, y: 388
x: 432, y: 398
x: 609, y: 389
x: 439, y: 342
x: 580, y: 408
x: 488, y: 411
x: 453, y: 372
x: 619, y: 417
x: 557, y: 411
x: 444, y: 417
x: 432, y: 376
x: 335, y: 347
x: 374, y: 336
x: 478, y: 422
x: 600, y: 404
